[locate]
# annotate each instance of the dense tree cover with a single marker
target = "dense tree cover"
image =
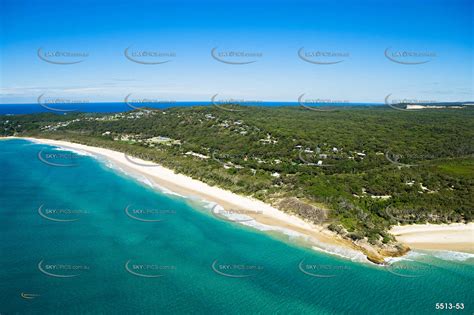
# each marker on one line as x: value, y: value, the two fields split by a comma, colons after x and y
x: 371, y: 166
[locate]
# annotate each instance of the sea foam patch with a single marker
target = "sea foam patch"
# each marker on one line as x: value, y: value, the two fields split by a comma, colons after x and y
x: 410, y: 256
x: 342, y: 252
x: 75, y: 151
x: 452, y: 255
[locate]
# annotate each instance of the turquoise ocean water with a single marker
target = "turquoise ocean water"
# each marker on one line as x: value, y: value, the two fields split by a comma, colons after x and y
x: 80, y: 237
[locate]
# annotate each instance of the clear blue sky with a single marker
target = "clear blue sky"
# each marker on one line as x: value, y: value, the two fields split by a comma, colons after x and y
x: 362, y: 30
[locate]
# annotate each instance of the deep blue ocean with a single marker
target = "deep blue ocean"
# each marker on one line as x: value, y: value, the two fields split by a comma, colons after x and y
x: 12, y: 109
x: 78, y: 236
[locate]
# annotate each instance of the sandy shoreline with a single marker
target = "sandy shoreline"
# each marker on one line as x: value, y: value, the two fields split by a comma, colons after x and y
x: 265, y: 216
x: 456, y: 237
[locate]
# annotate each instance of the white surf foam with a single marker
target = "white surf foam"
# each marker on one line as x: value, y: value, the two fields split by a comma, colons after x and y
x: 76, y: 151
x: 452, y: 255
x: 141, y: 178
x: 342, y: 252
x: 145, y: 180
x: 263, y: 227
x: 410, y: 256
x: 167, y: 191
x: 335, y: 250
x: 246, y: 220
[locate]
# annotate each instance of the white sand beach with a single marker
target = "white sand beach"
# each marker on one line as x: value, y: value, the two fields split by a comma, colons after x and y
x: 455, y: 237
